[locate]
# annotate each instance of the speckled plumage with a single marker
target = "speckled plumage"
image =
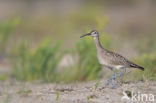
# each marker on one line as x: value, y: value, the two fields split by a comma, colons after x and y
x: 112, y: 59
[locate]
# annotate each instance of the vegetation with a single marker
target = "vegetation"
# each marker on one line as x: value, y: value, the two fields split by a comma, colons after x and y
x: 40, y: 63
x: 148, y: 62
x: 6, y: 29
x: 57, y: 95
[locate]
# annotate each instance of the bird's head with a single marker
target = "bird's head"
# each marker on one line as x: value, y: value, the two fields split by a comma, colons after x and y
x: 93, y: 33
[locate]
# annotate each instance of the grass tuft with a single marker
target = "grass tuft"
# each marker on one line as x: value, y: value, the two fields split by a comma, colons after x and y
x: 36, y: 64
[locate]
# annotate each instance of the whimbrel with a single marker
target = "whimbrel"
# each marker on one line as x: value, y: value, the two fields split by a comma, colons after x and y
x: 110, y: 59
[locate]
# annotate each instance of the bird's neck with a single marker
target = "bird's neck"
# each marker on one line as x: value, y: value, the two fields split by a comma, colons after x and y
x: 97, y: 43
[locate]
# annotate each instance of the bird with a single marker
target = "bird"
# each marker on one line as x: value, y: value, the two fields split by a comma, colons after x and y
x: 109, y: 59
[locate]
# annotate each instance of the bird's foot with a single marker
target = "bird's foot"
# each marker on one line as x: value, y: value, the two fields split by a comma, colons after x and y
x: 114, y: 85
x: 108, y: 81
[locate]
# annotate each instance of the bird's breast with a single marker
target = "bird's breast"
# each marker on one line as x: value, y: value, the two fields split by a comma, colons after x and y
x: 102, y: 60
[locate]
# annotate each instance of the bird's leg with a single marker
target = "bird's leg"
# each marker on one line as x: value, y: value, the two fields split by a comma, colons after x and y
x: 110, y: 79
x: 119, y: 74
x: 114, y: 77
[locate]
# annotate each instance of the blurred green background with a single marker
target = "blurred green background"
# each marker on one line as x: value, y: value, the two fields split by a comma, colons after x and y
x: 39, y: 40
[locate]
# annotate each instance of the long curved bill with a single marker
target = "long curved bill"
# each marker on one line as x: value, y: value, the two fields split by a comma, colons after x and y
x: 85, y: 35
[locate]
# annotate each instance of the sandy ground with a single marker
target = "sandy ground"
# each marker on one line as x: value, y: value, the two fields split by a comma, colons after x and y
x: 12, y: 91
x: 17, y: 92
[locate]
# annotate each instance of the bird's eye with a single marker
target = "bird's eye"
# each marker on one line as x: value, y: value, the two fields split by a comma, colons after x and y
x: 95, y: 32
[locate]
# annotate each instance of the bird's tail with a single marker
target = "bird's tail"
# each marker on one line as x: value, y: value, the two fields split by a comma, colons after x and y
x: 136, y: 66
